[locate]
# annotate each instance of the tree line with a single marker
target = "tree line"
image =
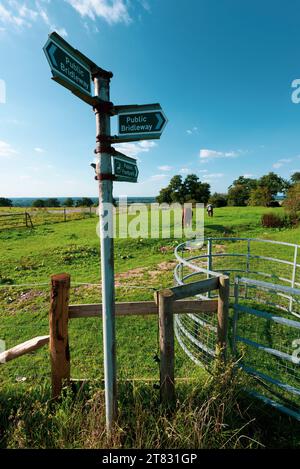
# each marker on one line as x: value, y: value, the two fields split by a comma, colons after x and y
x: 52, y: 202
x: 242, y: 192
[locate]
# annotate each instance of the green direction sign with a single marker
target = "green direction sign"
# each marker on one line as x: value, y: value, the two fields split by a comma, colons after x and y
x: 148, y: 124
x: 125, y: 168
x: 67, y: 68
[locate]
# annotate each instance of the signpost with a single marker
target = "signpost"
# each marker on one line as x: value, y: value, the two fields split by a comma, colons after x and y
x: 139, y: 124
x: 75, y: 71
x: 125, y: 168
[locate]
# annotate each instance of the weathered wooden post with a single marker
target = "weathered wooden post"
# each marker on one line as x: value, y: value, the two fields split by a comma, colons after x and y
x: 223, y: 311
x: 59, y: 342
x: 165, y: 300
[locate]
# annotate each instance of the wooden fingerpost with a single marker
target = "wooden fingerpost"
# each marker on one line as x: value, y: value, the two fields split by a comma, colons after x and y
x: 59, y: 341
x: 223, y: 311
x: 166, y: 341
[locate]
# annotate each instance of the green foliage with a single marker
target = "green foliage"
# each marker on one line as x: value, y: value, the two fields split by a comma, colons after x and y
x: 69, y: 202
x: 273, y: 183
x: 52, y: 202
x: 5, y: 202
x: 256, y: 192
x: 182, y: 191
x: 260, y: 196
x: 84, y: 202
x: 38, y: 203
x: 295, y: 177
x: 238, y: 195
x: 41, y: 203
x: 218, y: 200
x: 292, y: 201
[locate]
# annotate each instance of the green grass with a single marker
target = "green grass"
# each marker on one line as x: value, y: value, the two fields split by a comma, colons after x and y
x: 29, y: 257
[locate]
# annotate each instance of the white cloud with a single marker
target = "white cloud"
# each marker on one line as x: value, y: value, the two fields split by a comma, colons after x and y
x: 193, y: 130
x: 202, y: 171
x: 134, y: 149
x: 165, y: 168
x: 157, y: 177
x: 8, y: 18
x: 213, y: 175
x: 6, y: 150
x: 184, y: 170
x: 249, y: 175
x: 27, y: 13
x: 206, y: 154
x: 281, y: 162
x: 19, y: 15
x: 114, y: 11
x: 39, y: 150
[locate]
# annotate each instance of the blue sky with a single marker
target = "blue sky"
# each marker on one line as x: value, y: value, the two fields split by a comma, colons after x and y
x: 221, y: 69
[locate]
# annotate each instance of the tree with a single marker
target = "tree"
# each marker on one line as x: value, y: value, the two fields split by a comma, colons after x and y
x: 295, y: 178
x: 260, y: 196
x: 38, y: 203
x: 292, y: 201
x: 274, y: 183
x: 5, y: 202
x: 239, y: 191
x: 182, y: 191
x: 193, y: 189
x: 84, y: 202
x: 164, y: 196
x: 69, y: 202
x: 176, y: 188
x: 218, y: 200
x: 238, y: 195
x: 247, y: 183
x: 52, y: 202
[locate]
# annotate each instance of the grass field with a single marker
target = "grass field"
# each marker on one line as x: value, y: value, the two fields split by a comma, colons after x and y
x: 28, y: 419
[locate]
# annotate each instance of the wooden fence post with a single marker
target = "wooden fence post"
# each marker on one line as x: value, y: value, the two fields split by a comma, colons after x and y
x: 166, y: 341
x: 59, y: 342
x: 223, y: 311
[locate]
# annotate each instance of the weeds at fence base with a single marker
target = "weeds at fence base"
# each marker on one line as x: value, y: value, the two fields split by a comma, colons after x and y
x: 211, y: 413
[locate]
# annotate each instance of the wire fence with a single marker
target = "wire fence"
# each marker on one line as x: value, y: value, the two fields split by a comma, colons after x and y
x: 42, y: 216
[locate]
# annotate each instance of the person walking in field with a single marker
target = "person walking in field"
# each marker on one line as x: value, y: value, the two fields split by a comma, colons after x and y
x: 210, y: 210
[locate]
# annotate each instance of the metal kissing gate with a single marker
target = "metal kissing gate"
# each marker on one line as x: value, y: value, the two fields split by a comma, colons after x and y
x: 265, y: 313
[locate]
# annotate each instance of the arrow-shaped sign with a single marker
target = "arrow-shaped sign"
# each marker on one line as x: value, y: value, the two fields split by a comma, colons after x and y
x: 67, y: 67
x: 138, y: 124
x: 52, y: 51
x: 125, y: 168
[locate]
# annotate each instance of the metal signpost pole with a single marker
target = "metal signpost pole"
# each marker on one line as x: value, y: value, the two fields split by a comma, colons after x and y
x: 104, y: 175
x: 73, y: 70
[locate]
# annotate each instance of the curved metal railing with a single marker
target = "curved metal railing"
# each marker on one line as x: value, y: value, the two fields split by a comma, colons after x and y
x: 259, y: 259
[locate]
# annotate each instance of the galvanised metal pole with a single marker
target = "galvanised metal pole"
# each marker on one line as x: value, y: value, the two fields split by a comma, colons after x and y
x: 104, y: 176
x: 209, y: 259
